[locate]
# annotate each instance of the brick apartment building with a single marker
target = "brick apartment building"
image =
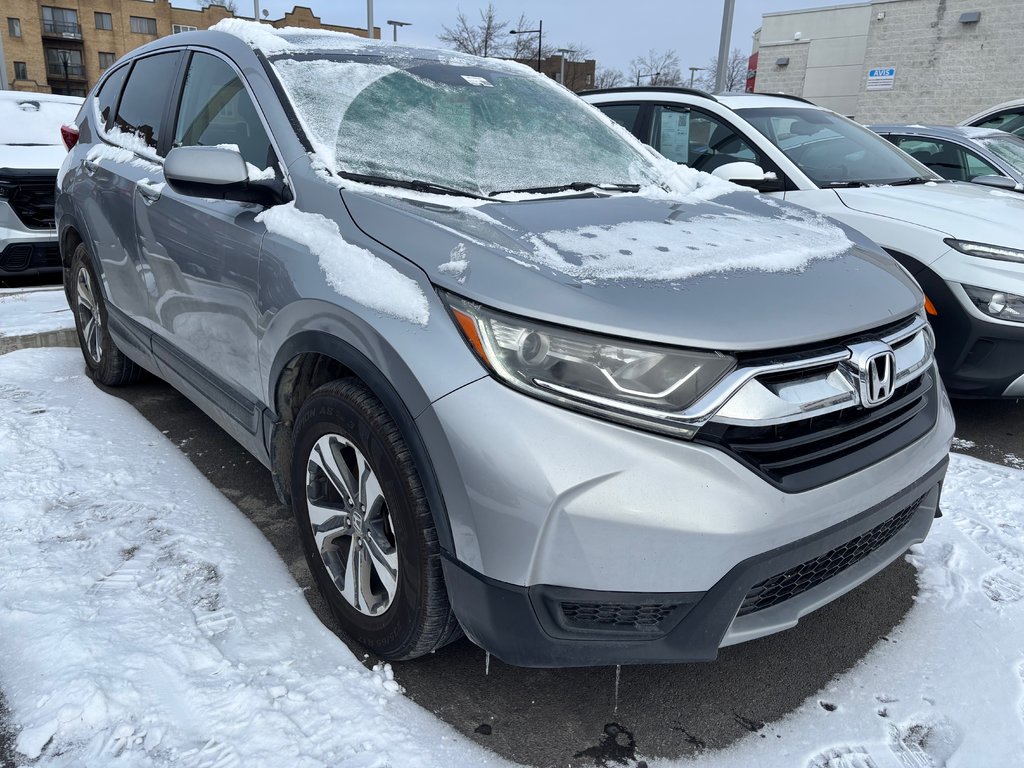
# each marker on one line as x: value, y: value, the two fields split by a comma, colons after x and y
x: 63, y: 46
x: 579, y: 75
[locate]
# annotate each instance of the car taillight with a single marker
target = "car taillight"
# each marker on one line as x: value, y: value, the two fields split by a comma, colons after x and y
x: 69, y: 133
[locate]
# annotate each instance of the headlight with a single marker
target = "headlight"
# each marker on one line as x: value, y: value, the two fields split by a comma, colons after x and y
x: 632, y: 382
x: 999, y: 304
x: 997, y: 252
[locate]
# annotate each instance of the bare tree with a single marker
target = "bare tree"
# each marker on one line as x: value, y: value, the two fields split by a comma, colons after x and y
x: 231, y: 5
x: 609, y: 78
x: 483, y: 39
x: 656, y: 68
x: 735, y: 73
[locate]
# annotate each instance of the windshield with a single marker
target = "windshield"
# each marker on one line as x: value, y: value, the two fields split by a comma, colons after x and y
x: 32, y: 122
x: 475, y: 129
x: 833, y: 151
x: 1009, y: 148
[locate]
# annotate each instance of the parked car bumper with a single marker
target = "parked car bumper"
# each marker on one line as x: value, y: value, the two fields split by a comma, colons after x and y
x: 579, y: 542
x: 26, y: 252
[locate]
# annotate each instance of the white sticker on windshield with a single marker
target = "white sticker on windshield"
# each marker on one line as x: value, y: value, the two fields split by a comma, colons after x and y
x: 474, y: 80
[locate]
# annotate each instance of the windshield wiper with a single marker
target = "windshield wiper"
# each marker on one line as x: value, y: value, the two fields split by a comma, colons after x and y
x: 416, y: 185
x: 846, y: 184
x: 911, y: 180
x: 578, y: 186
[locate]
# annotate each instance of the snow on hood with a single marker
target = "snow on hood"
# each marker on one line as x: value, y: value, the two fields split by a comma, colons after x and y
x: 960, y: 210
x: 682, y: 248
x: 32, y: 118
x: 350, y: 270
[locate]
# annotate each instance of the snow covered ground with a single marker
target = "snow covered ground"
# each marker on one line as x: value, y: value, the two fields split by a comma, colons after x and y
x: 144, y: 621
x: 35, y: 310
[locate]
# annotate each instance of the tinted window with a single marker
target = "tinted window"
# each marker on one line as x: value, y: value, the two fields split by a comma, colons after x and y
x: 697, y: 139
x: 107, y: 95
x: 946, y: 158
x: 1011, y: 122
x: 623, y: 114
x: 145, y: 96
x: 215, y: 109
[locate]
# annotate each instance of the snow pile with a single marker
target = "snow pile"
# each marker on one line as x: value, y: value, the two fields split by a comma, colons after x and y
x: 32, y: 118
x: 145, y: 622
x: 350, y: 270
x: 457, y: 264
x: 40, y: 310
x: 677, y: 249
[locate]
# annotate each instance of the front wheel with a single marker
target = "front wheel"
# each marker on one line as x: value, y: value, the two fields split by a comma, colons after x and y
x: 365, y: 524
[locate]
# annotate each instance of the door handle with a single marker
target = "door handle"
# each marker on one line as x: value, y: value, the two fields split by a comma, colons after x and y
x: 150, y: 192
x: 90, y: 167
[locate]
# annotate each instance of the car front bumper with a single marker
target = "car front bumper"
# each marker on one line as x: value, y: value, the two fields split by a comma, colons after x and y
x: 580, y: 542
x: 26, y: 252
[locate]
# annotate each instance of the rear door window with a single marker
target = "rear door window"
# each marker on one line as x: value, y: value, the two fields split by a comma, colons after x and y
x: 698, y: 139
x: 141, y: 110
x: 624, y: 114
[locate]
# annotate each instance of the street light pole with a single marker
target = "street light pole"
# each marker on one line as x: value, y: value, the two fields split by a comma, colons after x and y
x: 564, y: 51
x: 723, y: 45
x: 651, y: 75
x: 539, y: 31
x: 394, y: 28
x: 694, y: 70
x: 369, y: 19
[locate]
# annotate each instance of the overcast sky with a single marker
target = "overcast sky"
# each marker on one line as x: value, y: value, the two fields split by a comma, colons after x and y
x: 614, y: 30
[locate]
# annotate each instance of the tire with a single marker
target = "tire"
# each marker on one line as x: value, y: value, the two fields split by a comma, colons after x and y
x: 106, y: 363
x: 375, y: 556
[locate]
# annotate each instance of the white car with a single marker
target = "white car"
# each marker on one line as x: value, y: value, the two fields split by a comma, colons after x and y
x: 1008, y: 116
x: 31, y: 151
x: 963, y: 243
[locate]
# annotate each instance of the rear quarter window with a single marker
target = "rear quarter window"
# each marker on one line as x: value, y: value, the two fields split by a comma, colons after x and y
x: 106, y: 97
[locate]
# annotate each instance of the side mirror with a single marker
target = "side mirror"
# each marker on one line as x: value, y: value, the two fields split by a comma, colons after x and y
x: 740, y: 172
x: 999, y: 182
x: 219, y: 173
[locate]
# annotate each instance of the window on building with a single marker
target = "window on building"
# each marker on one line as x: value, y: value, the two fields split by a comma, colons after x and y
x: 104, y: 20
x: 13, y: 27
x: 20, y: 70
x: 141, y: 110
x: 64, y: 63
x: 143, y: 25
x: 176, y: 28
x: 215, y: 109
x: 61, y: 21
x: 107, y: 58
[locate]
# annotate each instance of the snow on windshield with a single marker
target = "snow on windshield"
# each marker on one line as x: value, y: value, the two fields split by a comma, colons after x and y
x: 29, y: 119
x: 1009, y: 148
x: 681, y: 248
x: 474, y: 129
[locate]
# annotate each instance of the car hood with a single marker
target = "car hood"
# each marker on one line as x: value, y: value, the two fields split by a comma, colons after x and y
x: 956, y: 209
x: 32, y: 158
x: 651, y: 269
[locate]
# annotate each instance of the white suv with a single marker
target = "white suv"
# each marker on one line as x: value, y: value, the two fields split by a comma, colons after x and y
x: 963, y: 243
x: 30, y: 154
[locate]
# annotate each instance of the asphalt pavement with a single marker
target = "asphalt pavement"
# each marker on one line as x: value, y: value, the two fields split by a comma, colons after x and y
x: 579, y: 717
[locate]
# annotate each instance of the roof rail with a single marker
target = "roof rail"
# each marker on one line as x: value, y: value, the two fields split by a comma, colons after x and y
x: 656, y: 88
x: 789, y: 96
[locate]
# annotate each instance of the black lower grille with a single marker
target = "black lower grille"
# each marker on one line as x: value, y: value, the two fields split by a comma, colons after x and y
x: 805, y: 576
x: 810, y: 453
x: 30, y: 195
x: 612, y: 616
x: 19, y: 257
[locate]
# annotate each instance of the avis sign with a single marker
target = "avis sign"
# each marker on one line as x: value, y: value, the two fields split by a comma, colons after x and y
x: 881, y: 79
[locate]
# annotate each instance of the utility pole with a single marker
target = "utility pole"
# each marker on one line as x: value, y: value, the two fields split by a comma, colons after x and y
x: 369, y: 19
x: 723, y: 45
x: 256, y: 9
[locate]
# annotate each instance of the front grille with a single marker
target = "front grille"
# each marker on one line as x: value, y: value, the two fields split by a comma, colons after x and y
x: 616, y: 616
x: 32, y: 197
x: 806, y: 454
x: 19, y: 257
x: 805, y: 576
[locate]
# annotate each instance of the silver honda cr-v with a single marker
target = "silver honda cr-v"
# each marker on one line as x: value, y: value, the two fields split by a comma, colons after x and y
x: 517, y: 374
